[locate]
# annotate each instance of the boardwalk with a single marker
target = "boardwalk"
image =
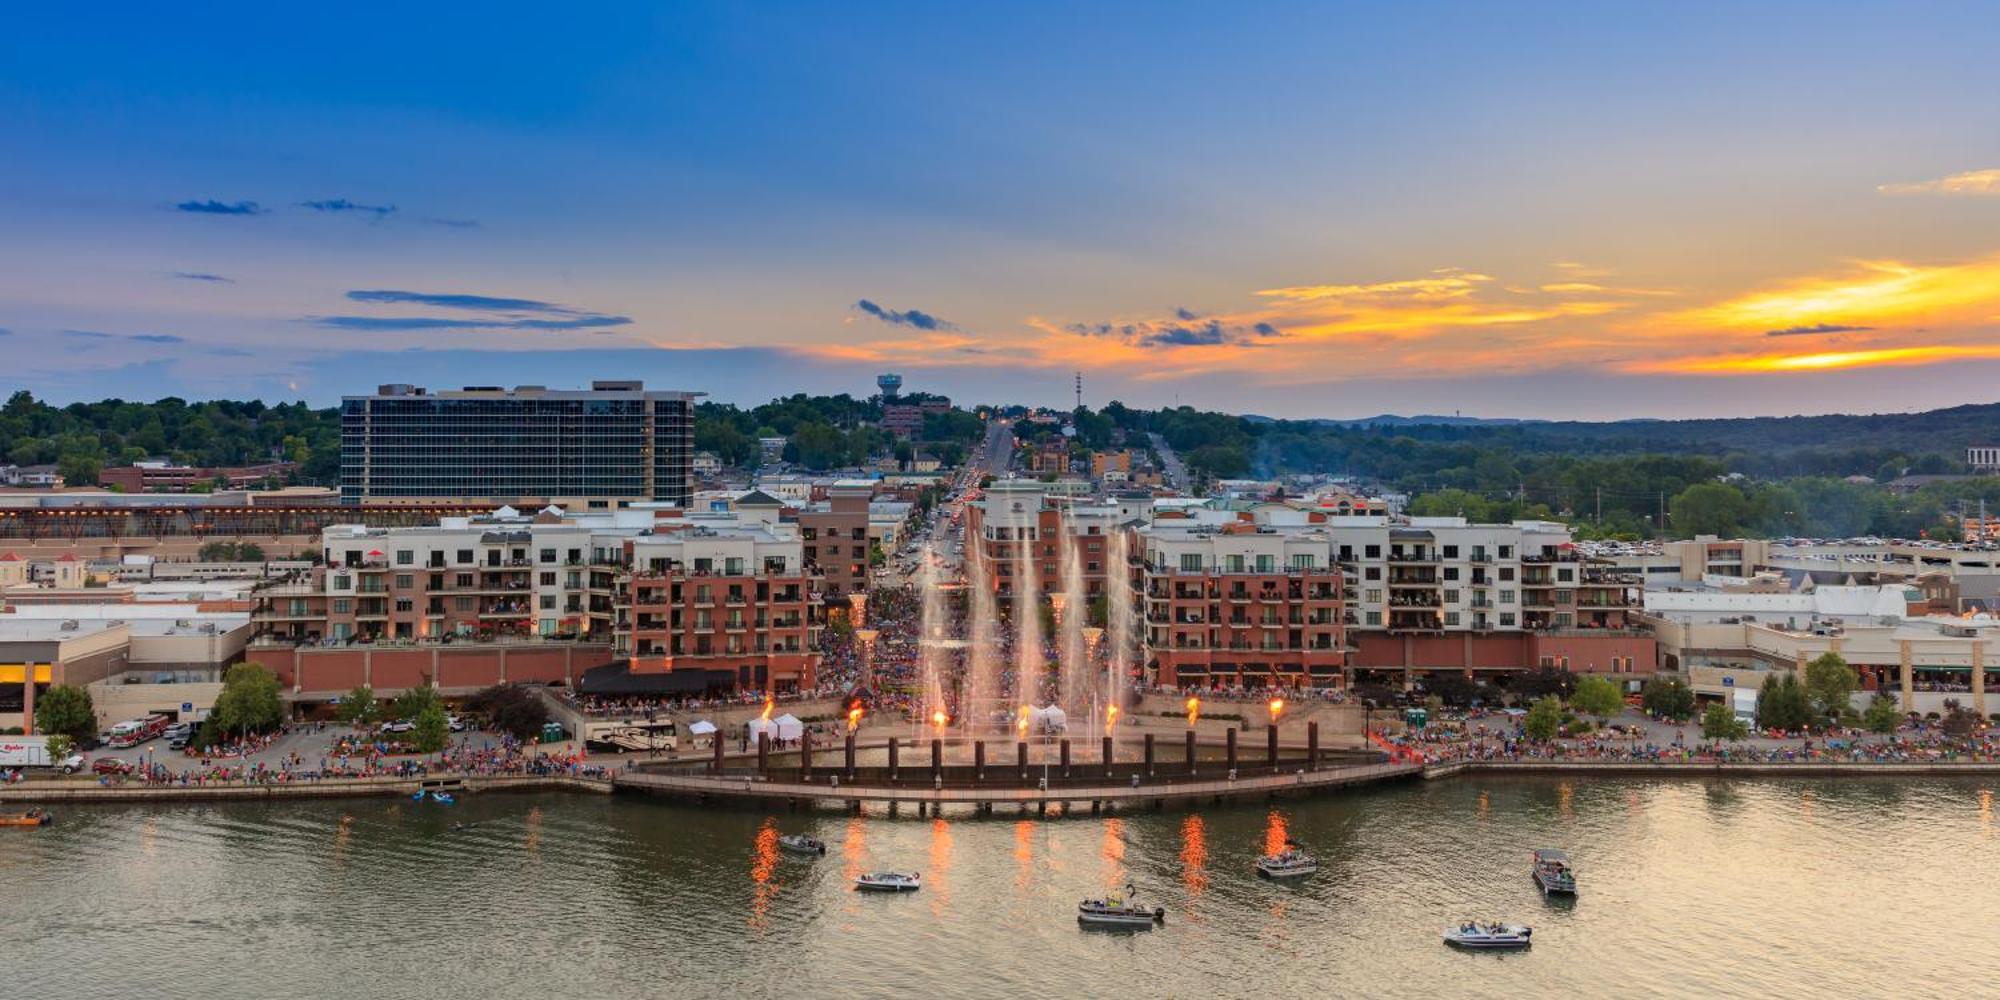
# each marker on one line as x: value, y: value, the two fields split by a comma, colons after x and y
x: 749, y: 787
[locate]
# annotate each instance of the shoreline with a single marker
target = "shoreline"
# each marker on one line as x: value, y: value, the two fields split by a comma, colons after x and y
x: 738, y: 789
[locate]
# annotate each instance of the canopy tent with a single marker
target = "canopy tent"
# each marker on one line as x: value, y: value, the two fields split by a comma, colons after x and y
x: 761, y: 726
x: 1049, y: 719
x: 702, y: 728
x: 789, y: 727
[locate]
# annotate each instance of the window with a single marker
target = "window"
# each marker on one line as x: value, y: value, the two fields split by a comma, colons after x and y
x: 1191, y: 562
x: 1373, y: 551
x: 464, y: 557
x: 1235, y: 564
x: 1506, y: 552
x: 1506, y: 619
x: 343, y: 582
x: 405, y: 581
x: 1451, y: 597
x: 343, y: 606
x: 1451, y: 552
x: 461, y: 603
x: 548, y: 555
x: 1372, y: 573
x: 576, y: 555
x: 1302, y: 560
x: 405, y: 557
x: 1565, y: 575
x: 1451, y: 618
x: 1267, y: 564
x: 1506, y: 597
x: 1374, y: 618
x: 1451, y: 572
x: 548, y: 602
x: 464, y: 580
x: 548, y: 578
x: 1373, y: 596
x: 404, y: 605
x: 1506, y: 574
x: 1565, y: 596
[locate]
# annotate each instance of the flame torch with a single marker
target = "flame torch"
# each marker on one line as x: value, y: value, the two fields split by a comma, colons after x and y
x: 1277, y: 708
x: 1193, y: 710
x: 1021, y: 727
x: 854, y: 717
x: 1110, y: 717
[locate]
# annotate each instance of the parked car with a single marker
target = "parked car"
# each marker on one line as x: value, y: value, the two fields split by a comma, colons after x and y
x: 398, y: 726
x: 455, y: 724
x: 180, y: 740
x: 72, y: 763
x: 112, y: 765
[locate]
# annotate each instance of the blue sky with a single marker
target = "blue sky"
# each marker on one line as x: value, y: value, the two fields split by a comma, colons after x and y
x: 1533, y: 210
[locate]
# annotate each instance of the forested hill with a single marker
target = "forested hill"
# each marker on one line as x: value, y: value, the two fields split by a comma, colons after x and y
x: 1946, y: 431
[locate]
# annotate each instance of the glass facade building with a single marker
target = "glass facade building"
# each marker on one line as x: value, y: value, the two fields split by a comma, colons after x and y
x: 593, y: 448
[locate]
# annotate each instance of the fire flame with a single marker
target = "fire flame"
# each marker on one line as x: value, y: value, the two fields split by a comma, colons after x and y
x: 1277, y: 706
x: 938, y: 718
x: 768, y: 705
x: 1193, y: 710
x: 1110, y: 716
x: 854, y: 718
x: 1022, y: 726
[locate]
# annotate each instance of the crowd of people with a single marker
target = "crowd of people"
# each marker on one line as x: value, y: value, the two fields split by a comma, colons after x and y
x: 360, y: 756
x: 1914, y: 743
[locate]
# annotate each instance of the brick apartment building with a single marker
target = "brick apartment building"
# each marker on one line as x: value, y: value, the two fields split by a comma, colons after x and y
x: 165, y: 477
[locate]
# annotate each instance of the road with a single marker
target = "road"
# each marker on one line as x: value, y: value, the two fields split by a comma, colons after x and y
x: 996, y: 454
x: 1176, y: 473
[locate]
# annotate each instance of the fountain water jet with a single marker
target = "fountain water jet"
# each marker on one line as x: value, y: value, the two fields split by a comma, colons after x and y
x: 1030, y: 662
x: 1075, y: 694
x: 931, y: 647
x: 982, y: 680
x: 1123, y: 624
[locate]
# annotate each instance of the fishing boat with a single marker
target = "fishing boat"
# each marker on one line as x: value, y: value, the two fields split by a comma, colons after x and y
x: 1119, y: 911
x: 33, y: 817
x: 1553, y: 873
x: 889, y: 882
x: 1292, y: 862
x: 1475, y: 934
x: 801, y: 844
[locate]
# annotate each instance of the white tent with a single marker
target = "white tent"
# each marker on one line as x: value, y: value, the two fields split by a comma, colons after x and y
x: 760, y: 726
x: 789, y: 727
x: 1050, y: 719
x: 702, y: 728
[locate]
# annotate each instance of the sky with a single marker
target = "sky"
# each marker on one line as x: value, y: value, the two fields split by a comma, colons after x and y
x: 1586, y: 211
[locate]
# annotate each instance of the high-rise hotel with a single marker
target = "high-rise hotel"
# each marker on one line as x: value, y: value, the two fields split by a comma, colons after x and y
x: 596, y: 449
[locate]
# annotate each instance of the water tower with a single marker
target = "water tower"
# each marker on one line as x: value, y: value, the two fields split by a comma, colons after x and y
x: 890, y: 383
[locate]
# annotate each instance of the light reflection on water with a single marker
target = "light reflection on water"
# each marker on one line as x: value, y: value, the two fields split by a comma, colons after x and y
x: 1689, y: 888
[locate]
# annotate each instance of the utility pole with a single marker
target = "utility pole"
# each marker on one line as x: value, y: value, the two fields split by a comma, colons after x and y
x: 1663, y: 511
x: 1600, y: 505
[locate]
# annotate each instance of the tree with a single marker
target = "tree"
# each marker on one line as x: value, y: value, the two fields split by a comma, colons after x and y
x: 249, y: 702
x: 433, y: 730
x: 413, y: 702
x: 1668, y: 698
x: 510, y: 708
x: 1544, y: 719
x: 1543, y: 681
x: 1597, y: 696
x: 1882, y: 715
x: 1782, y: 703
x: 59, y: 746
x: 1830, y: 683
x: 66, y: 709
x: 1719, y: 722
x: 1959, y: 721
x: 358, y: 707
x: 1710, y: 509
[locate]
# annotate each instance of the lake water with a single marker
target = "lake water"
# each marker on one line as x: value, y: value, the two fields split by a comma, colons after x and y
x: 1689, y: 887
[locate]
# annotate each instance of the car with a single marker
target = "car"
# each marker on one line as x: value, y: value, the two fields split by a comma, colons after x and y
x: 180, y: 740
x: 398, y: 726
x: 454, y: 723
x: 72, y: 763
x: 112, y: 765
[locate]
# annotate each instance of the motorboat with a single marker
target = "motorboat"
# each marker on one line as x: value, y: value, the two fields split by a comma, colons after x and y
x: 33, y: 817
x: 1120, y: 911
x: 443, y: 798
x: 1292, y: 862
x: 799, y: 843
x: 889, y: 882
x: 1553, y: 873
x: 1476, y: 934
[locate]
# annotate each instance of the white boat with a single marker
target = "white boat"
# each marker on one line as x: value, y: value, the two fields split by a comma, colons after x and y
x: 1474, y: 934
x: 1553, y: 873
x: 799, y: 843
x: 1292, y: 862
x: 1119, y: 911
x: 889, y: 882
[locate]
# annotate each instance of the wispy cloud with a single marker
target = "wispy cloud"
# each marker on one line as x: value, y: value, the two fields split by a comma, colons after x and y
x: 4, y: 332
x: 1179, y: 332
x: 345, y: 206
x: 143, y: 338
x: 455, y: 223
x: 1970, y: 183
x: 200, y: 276
x: 914, y: 318
x: 1816, y: 328
x: 507, y: 313
x: 445, y: 300
x: 212, y: 207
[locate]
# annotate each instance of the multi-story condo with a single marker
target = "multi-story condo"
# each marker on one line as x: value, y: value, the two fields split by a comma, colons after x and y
x: 1242, y: 604
x: 602, y: 448
x: 835, y: 532
x: 1424, y: 595
x: 1016, y: 520
x: 721, y: 601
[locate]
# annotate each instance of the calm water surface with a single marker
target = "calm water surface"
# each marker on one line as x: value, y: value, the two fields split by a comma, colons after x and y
x: 1689, y: 888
